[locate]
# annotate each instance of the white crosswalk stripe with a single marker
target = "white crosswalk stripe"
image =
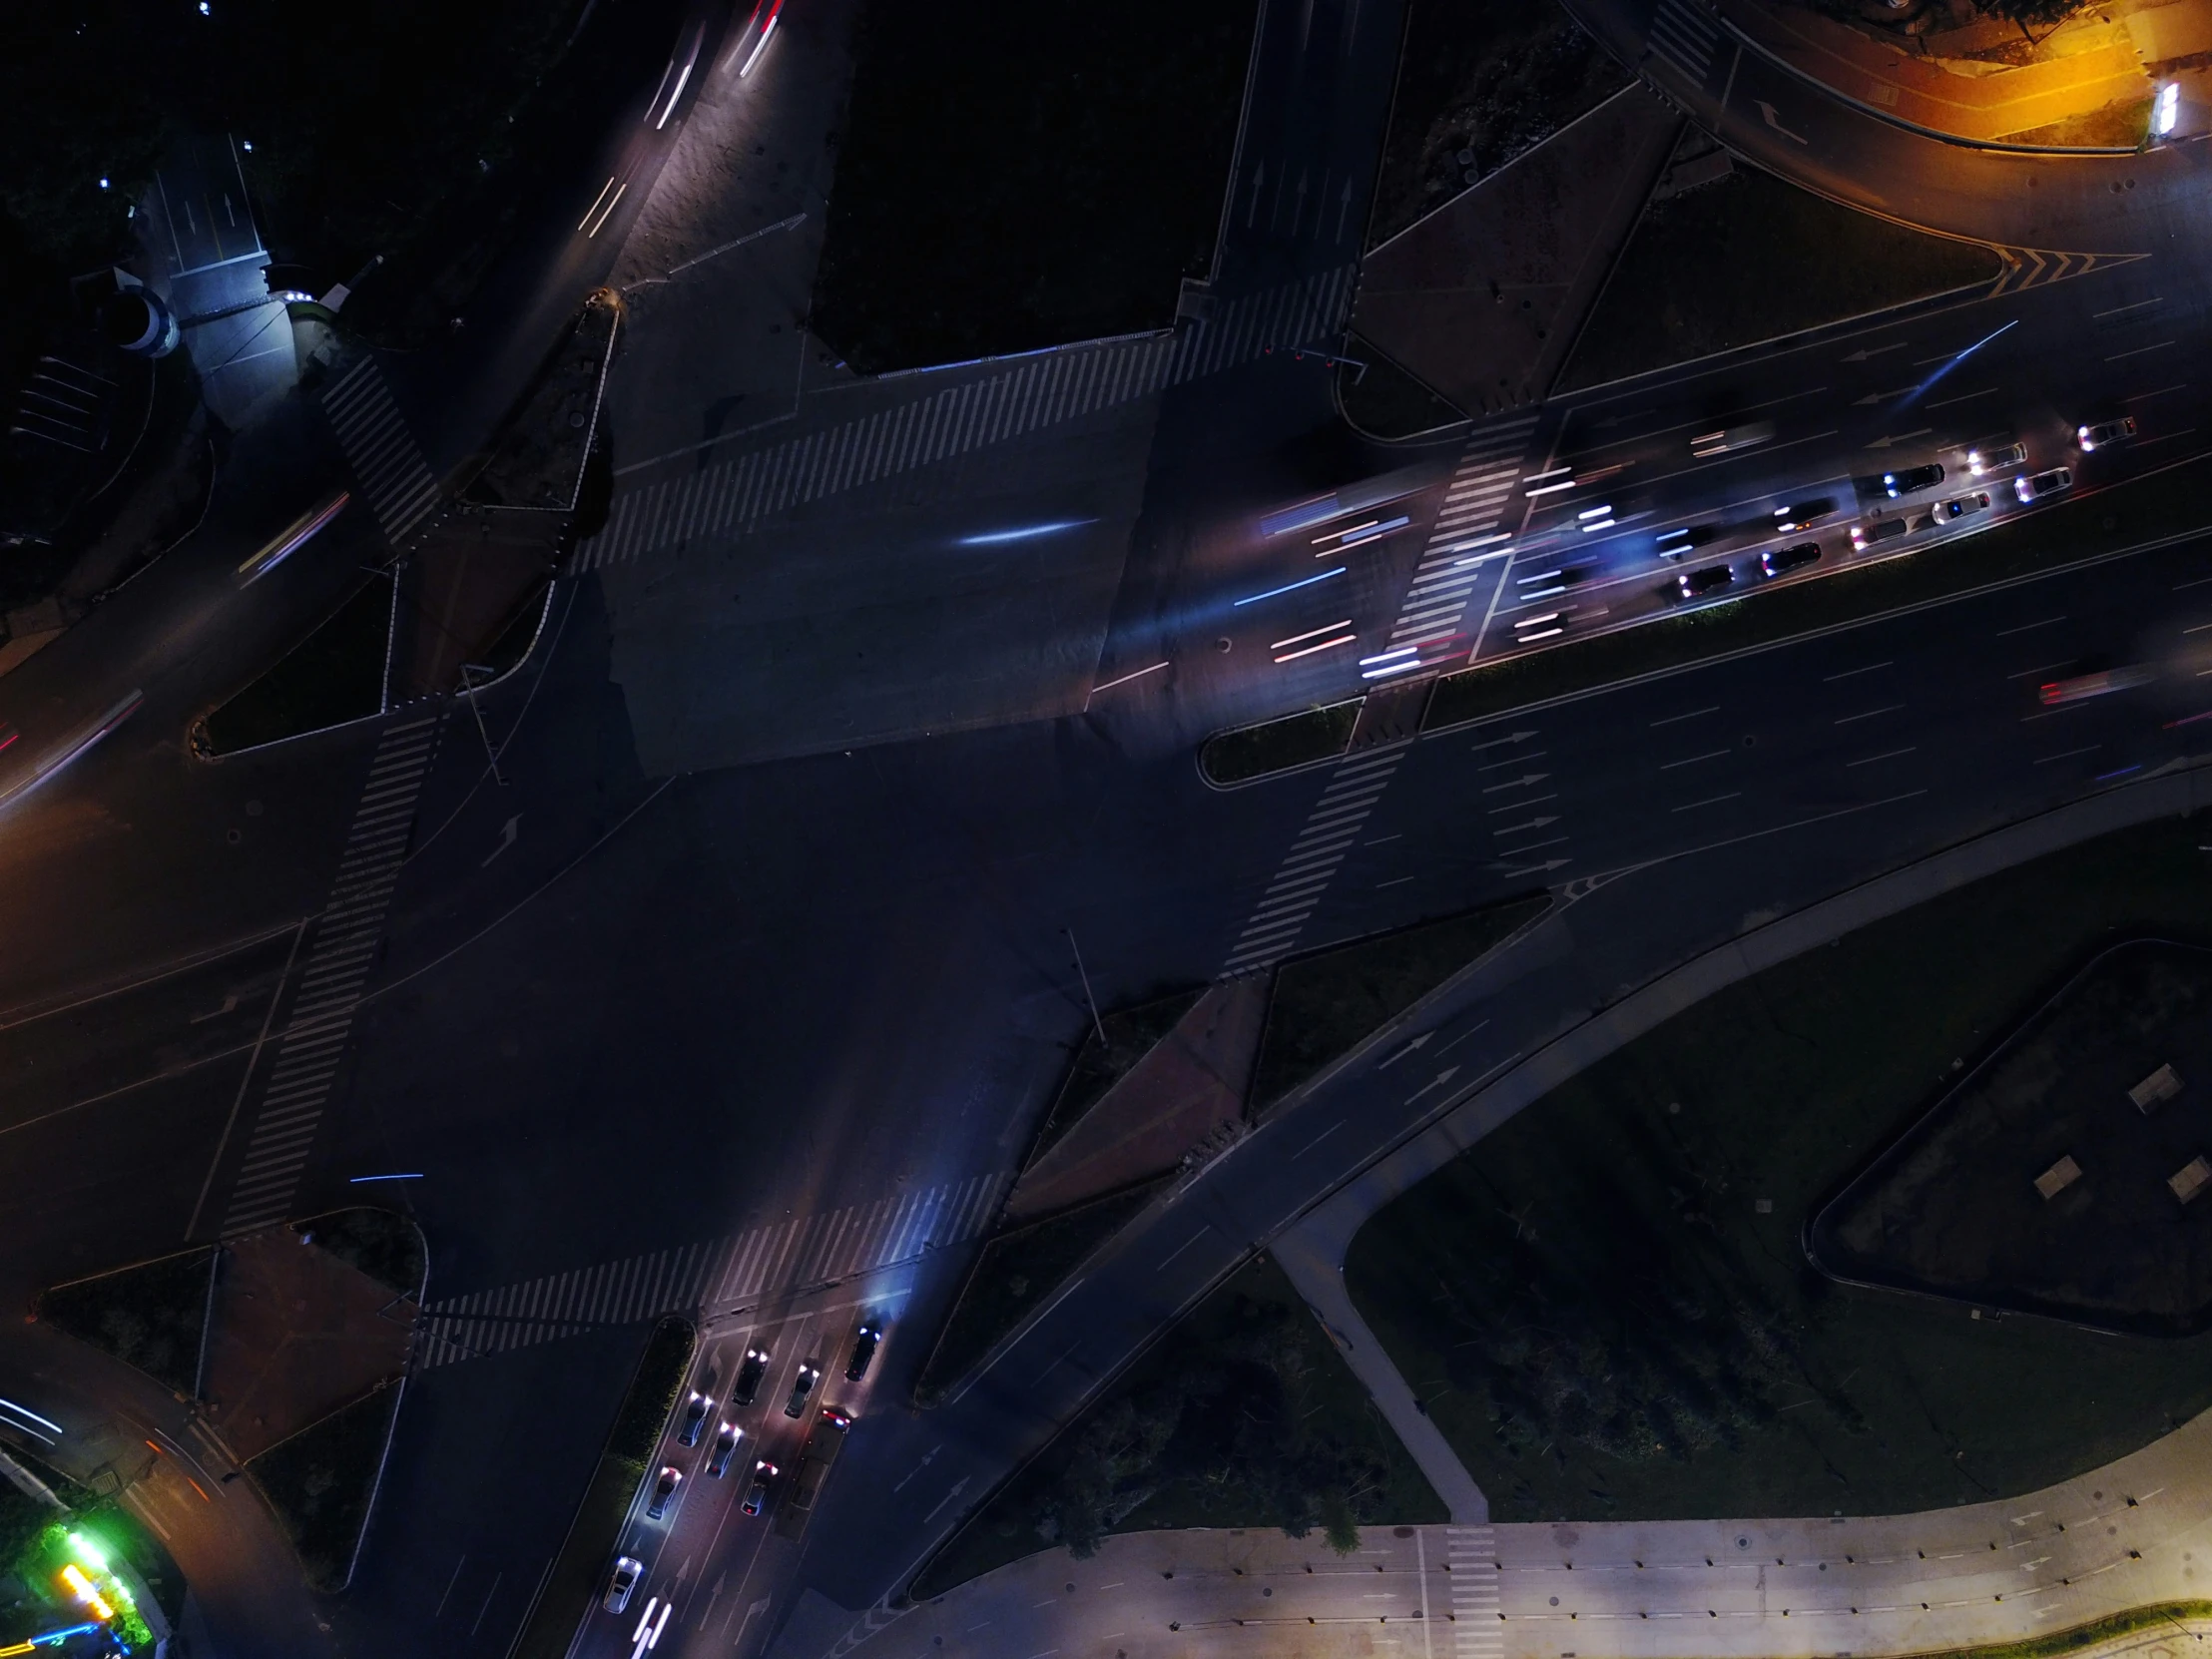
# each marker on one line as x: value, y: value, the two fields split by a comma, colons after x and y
x: 1455, y: 562
x: 1303, y: 876
x: 381, y: 451
x: 1683, y: 32
x: 713, y: 1277
x: 1478, y: 1627
x: 1027, y: 396
x: 337, y: 967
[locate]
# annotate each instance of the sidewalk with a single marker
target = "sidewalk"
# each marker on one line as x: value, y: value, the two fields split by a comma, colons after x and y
x: 1975, y: 101
x: 1311, y: 1251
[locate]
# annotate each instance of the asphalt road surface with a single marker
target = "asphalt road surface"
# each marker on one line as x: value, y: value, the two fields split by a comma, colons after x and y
x: 764, y: 1041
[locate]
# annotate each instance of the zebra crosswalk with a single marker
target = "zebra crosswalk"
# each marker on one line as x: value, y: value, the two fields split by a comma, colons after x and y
x: 1478, y: 1621
x: 1026, y: 396
x: 715, y: 1275
x: 345, y: 942
x: 1427, y: 631
x: 381, y: 451
x: 1683, y: 33
x: 1302, y: 878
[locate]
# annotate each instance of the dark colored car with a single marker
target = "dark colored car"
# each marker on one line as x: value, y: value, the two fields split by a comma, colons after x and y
x: 864, y: 1352
x: 1803, y: 513
x: 1696, y: 584
x: 695, y: 1411
x: 2105, y: 433
x: 1777, y: 561
x: 803, y: 1384
x: 1866, y: 535
x: 747, y: 1385
x: 664, y: 1492
x: 1672, y: 544
x: 726, y: 1446
x: 763, y: 1478
x: 1895, y: 484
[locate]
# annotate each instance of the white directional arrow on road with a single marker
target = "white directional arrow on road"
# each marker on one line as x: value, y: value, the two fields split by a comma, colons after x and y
x: 1407, y: 1049
x: 1499, y: 743
x: 1533, y: 823
x: 1442, y: 1078
x: 1766, y: 109
x: 1866, y: 352
x: 1878, y: 397
x: 958, y: 1486
x: 1899, y: 437
x: 1544, y: 868
x: 1521, y: 782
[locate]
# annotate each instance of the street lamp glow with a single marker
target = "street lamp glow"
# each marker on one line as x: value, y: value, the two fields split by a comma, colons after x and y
x: 2167, y: 113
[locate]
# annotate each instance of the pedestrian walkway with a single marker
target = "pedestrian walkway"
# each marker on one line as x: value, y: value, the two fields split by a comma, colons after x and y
x: 347, y: 936
x: 1303, y: 876
x: 1892, y: 79
x: 714, y: 1277
x: 383, y: 455
x: 918, y: 424
x: 1466, y: 545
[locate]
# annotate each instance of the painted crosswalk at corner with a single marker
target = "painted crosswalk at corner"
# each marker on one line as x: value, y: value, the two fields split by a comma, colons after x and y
x: 1307, y: 869
x: 1478, y: 1622
x: 711, y: 1277
x: 386, y: 461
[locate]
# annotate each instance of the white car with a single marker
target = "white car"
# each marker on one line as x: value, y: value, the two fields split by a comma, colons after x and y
x: 2052, y: 482
x: 2105, y: 433
x: 624, y: 1579
x: 1982, y: 462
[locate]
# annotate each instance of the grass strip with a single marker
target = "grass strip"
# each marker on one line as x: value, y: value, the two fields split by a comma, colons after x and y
x: 1753, y: 259
x: 322, y: 1481
x: 1015, y: 1272
x: 1251, y: 751
x: 1605, y: 1303
x: 334, y: 675
x: 2111, y: 1627
x: 1245, y: 1415
x: 151, y: 1315
x: 1324, y: 1005
x: 2081, y: 528
x: 578, y: 1572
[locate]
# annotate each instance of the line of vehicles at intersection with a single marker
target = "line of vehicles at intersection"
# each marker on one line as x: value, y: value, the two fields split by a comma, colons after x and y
x: 823, y: 1438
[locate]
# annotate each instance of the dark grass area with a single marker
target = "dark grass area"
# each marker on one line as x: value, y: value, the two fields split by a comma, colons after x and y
x: 578, y: 1572
x: 1323, y: 1005
x: 1245, y: 1416
x: 1484, y: 83
x: 382, y: 1243
x: 1952, y: 1207
x: 1252, y: 752
x: 1015, y: 1272
x: 149, y: 1315
x: 2077, y: 529
x: 322, y: 1481
x: 1384, y: 401
x: 1606, y: 1305
x: 334, y: 675
x: 1750, y: 259
x: 22, y: 1518
x: 1131, y: 1034
x: 1015, y: 176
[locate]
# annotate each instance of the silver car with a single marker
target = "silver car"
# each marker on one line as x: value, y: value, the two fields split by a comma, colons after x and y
x: 624, y: 1579
x: 2056, y: 480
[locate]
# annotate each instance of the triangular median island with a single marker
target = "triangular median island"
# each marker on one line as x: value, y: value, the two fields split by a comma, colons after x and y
x: 1174, y: 1083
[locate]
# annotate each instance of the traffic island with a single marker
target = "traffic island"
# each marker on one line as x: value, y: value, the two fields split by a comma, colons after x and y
x: 153, y: 1316
x: 2064, y: 1175
x: 333, y: 676
x: 323, y: 1481
x: 1749, y: 259
x: 1245, y: 1416
x: 1605, y: 1306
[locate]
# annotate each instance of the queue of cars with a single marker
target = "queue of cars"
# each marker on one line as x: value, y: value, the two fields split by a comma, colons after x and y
x: 1897, y: 486
x: 818, y: 1450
